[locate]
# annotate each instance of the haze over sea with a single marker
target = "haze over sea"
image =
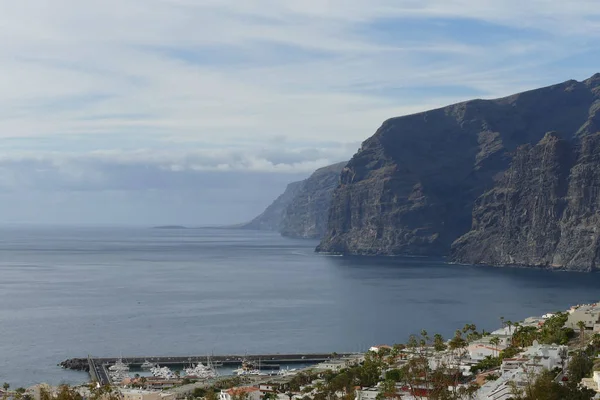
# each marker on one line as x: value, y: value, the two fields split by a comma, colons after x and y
x: 70, y: 292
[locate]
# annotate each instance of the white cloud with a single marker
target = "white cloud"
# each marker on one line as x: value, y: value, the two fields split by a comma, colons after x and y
x: 93, y: 92
x: 147, y: 169
x: 79, y: 67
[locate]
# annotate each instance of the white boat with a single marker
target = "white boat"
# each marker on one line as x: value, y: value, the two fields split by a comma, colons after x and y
x: 287, y: 372
x: 248, y: 368
x: 245, y: 372
x: 202, y: 371
x: 118, y: 376
x: 162, y: 372
x: 147, y: 365
x: 118, y: 366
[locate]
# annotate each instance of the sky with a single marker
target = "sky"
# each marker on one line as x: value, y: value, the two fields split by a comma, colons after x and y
x: 199, y: 112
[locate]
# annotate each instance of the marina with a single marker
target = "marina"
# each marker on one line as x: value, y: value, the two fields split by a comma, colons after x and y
x: 106, y: 371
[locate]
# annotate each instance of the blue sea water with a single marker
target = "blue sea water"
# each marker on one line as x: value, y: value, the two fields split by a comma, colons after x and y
x: 70, y: 292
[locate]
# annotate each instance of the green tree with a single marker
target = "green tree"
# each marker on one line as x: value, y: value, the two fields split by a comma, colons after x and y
x: 211, y: 395
x: 393, y: 374
x: 6, y: 386
x: 544, y: 387
x: 438, y: 342
x: 579, y: 366
x: 269, y: 396
x: 387, y: 390
x: 65, y: 392
x: 486, y: 364
x: 509, y: 323
x: 495, y: 341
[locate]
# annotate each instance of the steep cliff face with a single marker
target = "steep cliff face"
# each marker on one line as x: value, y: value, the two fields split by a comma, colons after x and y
x: 545, y: 211
x: 306, y: 215
x: 302, y: 210
x: 271, y: 219
x: 517, y: 222
x: 411, y: 187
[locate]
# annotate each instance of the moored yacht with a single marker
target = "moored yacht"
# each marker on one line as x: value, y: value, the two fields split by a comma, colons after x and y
x: 119, y: 365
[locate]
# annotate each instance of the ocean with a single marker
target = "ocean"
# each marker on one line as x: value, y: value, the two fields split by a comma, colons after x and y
x: 76, y: 291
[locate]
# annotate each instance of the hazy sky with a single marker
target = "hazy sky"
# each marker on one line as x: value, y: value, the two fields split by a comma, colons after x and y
x: 200, y: 111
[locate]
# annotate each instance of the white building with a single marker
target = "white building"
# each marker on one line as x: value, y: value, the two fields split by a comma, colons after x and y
x: 548, y: 356
x: 376, y: 349
x: 333, y: 365
x: 367, y: 394
x: 336, y: 365
x: 588, y: 313
x: 512, y: 364
x: 533, y: 321
x: 252, y: 392
x: 507, y: 331
x: 501, y: 389
x: 482, y: 348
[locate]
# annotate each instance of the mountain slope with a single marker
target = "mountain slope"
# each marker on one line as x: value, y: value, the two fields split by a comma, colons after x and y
x: 271, y: 219
x: 306, y: 215
x: 302, y: 210
x: 411, y: 187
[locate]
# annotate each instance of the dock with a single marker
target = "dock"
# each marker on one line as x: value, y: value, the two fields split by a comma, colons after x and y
x: 98, y: 367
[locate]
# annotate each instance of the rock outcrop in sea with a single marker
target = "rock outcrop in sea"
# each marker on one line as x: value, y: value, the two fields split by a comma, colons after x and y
x: 415, y: 186
x: 302, y: 210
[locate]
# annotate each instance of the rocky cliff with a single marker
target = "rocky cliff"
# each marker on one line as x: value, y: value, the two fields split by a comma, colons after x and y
x: 271, y: 219
x: 306, y: 215
x: 412, y: 186
x: 544, y: 211
x: 302, y: 210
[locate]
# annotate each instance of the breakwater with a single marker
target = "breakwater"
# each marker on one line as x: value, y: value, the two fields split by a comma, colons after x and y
x: 95, y: 366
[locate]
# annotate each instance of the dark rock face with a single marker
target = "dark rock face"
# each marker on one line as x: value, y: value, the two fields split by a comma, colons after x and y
x: 543, y: 212
x: 271, y: 219
x: 76, y: 364
x: 306, y: 215
x: 302, y: 210
x: 412, y: 186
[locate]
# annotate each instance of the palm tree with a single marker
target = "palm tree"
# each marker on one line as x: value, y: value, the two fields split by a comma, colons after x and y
x: 495, y: 341
x: 581, y: 326
x: 6, y: 386
x: 438, y: 342
x: 509, y: 324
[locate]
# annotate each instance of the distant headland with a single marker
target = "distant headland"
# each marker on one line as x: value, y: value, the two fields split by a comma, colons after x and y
x: 170, y: 227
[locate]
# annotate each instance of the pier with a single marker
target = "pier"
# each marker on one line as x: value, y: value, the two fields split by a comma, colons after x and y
x: 97, y: 367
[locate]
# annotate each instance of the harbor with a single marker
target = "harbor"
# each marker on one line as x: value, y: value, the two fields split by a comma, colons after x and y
x: 100, y: 368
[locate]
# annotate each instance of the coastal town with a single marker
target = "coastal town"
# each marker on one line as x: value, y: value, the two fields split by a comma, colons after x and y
x: 553, y: 353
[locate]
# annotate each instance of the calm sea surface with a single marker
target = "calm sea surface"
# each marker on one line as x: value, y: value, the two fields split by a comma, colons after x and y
x: 70, y: 292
